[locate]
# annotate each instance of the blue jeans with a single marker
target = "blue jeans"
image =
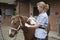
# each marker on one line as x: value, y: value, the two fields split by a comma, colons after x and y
x: 40, y: 39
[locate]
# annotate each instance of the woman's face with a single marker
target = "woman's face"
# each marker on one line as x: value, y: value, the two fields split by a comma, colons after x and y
x: 40, y: 9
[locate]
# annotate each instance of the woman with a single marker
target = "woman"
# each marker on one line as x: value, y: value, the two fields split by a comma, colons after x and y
x: 41, y: 21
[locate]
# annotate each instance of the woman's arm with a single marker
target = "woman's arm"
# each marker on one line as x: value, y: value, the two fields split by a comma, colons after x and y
x: 32, y: 26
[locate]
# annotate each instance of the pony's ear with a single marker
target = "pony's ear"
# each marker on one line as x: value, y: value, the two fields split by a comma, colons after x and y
x: 13, y: 18
x: 21, y: 17
x: 17, y: 16
x: 26, y: 18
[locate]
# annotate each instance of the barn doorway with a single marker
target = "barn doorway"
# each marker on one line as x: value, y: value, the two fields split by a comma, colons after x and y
x: 35, y: 11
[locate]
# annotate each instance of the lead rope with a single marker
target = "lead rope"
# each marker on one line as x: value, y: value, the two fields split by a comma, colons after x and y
x: 15, y: 37
x: 1, y: 32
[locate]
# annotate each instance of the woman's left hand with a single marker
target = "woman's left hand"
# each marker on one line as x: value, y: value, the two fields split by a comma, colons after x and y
x: 27, y: 25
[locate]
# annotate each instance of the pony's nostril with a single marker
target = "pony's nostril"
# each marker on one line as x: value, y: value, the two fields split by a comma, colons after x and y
x: 10, y: 35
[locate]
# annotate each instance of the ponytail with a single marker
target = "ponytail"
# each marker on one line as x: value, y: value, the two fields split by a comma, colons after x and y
x: 46, y: 7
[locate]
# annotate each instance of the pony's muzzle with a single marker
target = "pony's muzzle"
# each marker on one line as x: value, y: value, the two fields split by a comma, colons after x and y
x: 11, y: 34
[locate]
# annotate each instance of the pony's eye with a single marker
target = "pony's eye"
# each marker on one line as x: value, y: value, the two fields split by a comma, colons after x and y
x: 14, y: 22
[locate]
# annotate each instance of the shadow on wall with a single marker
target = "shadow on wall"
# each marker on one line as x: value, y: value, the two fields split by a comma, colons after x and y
x: 0, y: 12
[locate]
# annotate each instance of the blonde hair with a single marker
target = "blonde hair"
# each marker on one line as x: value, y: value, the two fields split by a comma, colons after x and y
x: 43, y: 5
x: 46, y: 7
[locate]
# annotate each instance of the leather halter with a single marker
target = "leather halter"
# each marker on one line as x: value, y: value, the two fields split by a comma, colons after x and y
x: 18, y: 26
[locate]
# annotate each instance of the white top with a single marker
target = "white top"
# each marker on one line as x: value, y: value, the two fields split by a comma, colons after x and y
x: 42, y: 19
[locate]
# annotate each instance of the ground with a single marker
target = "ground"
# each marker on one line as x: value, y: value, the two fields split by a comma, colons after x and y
x: 20, y: 35
x: 6, y: 36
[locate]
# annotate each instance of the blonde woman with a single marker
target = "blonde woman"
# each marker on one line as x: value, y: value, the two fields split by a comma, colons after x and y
x: 41, y: 21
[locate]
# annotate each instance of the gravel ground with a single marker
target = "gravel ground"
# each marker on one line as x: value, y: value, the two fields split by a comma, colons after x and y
x: 6, y: 36
x: 19, y: 35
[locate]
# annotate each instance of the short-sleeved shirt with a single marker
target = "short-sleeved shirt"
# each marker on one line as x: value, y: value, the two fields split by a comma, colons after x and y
x: 42, y: 19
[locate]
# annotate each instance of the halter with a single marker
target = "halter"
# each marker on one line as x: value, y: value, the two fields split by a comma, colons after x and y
x: 18, y: 26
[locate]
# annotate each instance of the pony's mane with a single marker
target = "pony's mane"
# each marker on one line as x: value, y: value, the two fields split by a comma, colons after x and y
x: 19, y: 16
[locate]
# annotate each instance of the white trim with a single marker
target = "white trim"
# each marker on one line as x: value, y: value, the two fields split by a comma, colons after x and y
x: 15, y: 28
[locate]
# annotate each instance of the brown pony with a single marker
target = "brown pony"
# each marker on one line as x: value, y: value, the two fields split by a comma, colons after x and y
x: 18, y: 22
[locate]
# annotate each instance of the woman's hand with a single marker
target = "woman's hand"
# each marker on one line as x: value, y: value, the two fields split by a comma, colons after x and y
x: 27, y: 25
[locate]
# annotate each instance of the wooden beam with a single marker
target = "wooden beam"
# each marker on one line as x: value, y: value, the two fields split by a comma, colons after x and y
x: 17, y: 7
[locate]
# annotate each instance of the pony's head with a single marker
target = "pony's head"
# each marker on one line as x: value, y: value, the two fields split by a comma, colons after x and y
x: 17, y: 22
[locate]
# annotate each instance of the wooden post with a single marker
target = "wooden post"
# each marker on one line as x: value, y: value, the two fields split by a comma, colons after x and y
x: 58, y: 30
x: 30, y: 9
x: 18, y: 8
